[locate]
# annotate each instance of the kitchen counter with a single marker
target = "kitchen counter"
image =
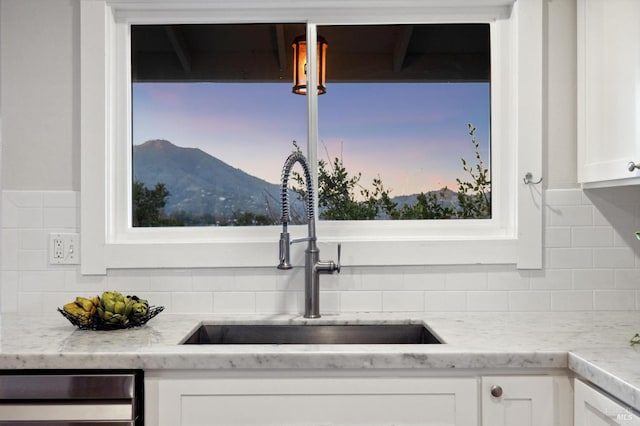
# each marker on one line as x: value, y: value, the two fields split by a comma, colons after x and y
x: 594, y: 345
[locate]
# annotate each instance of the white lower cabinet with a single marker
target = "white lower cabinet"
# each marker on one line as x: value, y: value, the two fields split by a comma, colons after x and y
x: 518, y: 400
x: 594, y: 408
x: 317, y: 401
x: 383, y: 399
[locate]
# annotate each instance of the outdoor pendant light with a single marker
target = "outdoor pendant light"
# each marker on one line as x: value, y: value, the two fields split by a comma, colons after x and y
x: 300, y: 65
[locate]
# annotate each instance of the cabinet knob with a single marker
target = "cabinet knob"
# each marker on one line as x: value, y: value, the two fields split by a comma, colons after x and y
x: 632, y: 166
x: 496, y: 391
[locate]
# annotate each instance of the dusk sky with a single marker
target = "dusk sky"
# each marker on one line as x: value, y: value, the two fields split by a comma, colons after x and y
x: 411, y: 135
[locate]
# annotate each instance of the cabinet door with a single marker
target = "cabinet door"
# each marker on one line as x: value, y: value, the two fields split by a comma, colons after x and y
x: 517, y: 400
x: 593, y: 408
x: 314, y: 401
x: 608, y: 90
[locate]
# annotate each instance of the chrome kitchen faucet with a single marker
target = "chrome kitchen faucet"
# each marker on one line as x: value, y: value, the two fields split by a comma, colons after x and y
x: 313, y: 266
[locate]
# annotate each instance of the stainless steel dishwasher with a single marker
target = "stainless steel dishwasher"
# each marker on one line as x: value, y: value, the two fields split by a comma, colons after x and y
x: 78, y: 397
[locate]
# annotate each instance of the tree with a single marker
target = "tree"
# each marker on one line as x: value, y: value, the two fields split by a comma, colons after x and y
x: 337, y: 194
x: 248, y: 218
x: 474, y: 196
x: 148, y: 205
x: 427, y: 206
x: 338, y: 200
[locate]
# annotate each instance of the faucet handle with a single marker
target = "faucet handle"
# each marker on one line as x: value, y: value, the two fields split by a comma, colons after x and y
x: 339, y: 255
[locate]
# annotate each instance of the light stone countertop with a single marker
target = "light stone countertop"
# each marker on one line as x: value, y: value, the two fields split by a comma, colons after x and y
x: 594, y: 345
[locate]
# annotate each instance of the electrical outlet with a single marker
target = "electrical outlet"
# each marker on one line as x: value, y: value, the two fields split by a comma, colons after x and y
x: 64, y: 249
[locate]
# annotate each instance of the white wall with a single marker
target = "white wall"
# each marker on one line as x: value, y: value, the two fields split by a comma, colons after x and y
x: 591, y: 257
x: 40, y: 48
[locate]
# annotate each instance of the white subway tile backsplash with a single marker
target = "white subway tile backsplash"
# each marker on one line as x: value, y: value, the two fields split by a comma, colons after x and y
x: 168, y: 281
x: 550, y: 279
x: 423, y: 279
x: 591, y: 262
x: 190, y: 302
x: 459, y: 279
x: 255, y: 280
x: 445, y: 301
x: 593, y: 236
x: 281, y: 301
x: 347, y: 279
x: 330, y: 282
x: 380, y: 279
x: 60, y: 217
x: 557, y: 236
x: 61, y: 199
x: 610, y: 214
x: 213, y: 280
x: 508, y: 280
x: 593, y: 279
x: 529, y: 301
x: 570, y: 216
x: 572, y: 300
x: 34, y: 281
x: 9, y: 287
x: 403, y: 301
x: 158, y: 299
x: 293, y: 280
x: 10, y: 214
x: 607, y: 300
x: 570, y: 258
x: 32, y: 259
x: 563, y: 197
x: 23, y: 199
x: 33, y: 239
x: 31, y: 217
x: 627, y: 279
x: 361, y: 301
x: 85, y: 285
x: 129, y: 281
x: 487, y: 301
x: 625, y: 237
x: 52, y: 300
x: 234, y: 302
x: 613, y: 258
x: 31, y: 302
x: 329, y: 302
x: 9, y: 249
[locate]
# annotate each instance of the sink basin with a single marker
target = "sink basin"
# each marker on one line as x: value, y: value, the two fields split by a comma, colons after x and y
x: 321, y: 334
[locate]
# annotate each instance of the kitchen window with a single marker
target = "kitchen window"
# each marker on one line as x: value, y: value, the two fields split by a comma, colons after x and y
x: 109, y: 239
x: 403, y: 129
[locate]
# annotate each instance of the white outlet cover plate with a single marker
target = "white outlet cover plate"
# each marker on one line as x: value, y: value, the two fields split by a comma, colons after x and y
x: 64, y: 249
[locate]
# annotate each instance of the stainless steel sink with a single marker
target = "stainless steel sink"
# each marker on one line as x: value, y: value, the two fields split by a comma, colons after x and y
x: 321, y: 334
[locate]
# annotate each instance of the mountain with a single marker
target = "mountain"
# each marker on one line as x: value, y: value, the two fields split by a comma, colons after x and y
x: 202, y: 184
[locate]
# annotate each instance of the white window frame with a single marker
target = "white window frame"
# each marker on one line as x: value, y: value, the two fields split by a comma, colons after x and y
x: 512, y: 236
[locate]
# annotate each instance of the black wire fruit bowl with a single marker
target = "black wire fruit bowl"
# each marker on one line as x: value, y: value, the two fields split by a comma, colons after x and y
x: 96, y: 323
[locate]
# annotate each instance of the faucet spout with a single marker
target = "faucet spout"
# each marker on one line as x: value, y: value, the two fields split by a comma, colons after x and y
x: 312, y: 264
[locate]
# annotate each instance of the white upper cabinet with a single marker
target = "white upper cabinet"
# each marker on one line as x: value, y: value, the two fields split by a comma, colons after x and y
x: 608, y: 92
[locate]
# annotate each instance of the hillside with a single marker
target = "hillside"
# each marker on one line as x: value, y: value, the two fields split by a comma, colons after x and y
x: 211, y: 191
x: 202, y: 184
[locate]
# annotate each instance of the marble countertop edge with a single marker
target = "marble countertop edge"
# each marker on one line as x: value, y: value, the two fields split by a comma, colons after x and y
x: 594, y: 345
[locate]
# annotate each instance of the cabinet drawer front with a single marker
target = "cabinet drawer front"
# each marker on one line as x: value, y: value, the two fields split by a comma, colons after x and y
x: 594, y: 408
x: 319, y: 401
